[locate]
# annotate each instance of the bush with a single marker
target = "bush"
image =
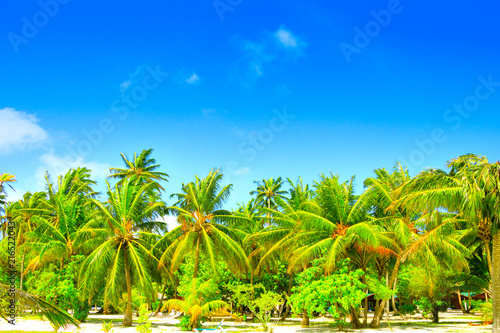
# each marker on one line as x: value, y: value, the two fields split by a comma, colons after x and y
x: 406, y: 309
x: 185, y: 323
x: 81, y: 311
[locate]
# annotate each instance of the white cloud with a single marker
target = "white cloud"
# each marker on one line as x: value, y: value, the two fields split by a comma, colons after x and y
x: 286, y: 38
x: 260, y: 55
x: 19, y: 130
x: 57, y: 166
x: 193, y: 79
x: 171, y: 221
x: 15, y: 195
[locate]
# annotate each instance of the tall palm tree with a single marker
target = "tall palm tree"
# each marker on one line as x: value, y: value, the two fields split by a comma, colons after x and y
x: 328, y: 226
x: 276, y: 243
x: 418, y: 233
x: 471, y: 188
x: 203, y: 227
x: 280, y: 238
x: 141, y: 168
x: 267, y: 191
x: 123, y: 258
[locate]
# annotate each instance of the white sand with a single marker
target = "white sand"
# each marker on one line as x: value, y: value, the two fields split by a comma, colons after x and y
x: 166, y: 324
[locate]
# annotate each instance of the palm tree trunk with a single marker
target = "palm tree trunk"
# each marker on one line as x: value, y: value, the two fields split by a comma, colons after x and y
x: 460, y: 301
x: 127, y: 318
x: 379, y: 311
x: 365, y: 314
x: 393, y: 298
x: 488, y: 255
x: 288, y: 293
x: 161, y: 299
x: 495, y: 281
x: 387, y: 285
x: 22, y: 272
x: 196, y: 259
x: 470, y: 303
x: 365, y: 310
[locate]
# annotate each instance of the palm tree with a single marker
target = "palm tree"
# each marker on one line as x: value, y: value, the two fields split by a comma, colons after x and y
x: 276, y: 243
x: 142, y: 168
x: 203, y: 227
x: 4, y: 178
x: 472, y: 189
x: 418, y: 233
x: 267, y: 191
x: 332, y: 223
x: 22, y: 213
x: 123, y: 258
x: 59, y: 219
x: 280, y: 238
x: 197, y: 304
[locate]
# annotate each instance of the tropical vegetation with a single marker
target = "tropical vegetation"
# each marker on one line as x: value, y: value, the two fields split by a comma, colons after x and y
x: 294, y: 249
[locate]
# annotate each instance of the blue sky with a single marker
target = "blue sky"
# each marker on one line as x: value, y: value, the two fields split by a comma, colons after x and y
x: 260, y: 89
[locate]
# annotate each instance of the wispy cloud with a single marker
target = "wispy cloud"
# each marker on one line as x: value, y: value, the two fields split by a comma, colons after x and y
x: 286, y: 38
x: 59, y: 165
x: 193, y: 79
x: 135, y: 77
x: 19, y: 130
x: 259, y: 55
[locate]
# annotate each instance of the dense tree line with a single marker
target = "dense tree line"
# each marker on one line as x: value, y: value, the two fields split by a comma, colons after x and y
x: 307, y: 248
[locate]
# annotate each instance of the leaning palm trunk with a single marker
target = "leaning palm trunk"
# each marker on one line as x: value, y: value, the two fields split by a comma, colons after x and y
x: 460, y: 301
x: 393, y: 298
x: 288, y: 307
x: 495, y: 281
x: 379, y: 311
x: 161, y: 300
x: 22, y: 271
x: 488, y: 255
x: 127, y: 318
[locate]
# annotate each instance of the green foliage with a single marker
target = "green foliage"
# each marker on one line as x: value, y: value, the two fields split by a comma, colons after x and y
x: 431, y: 223
x: 379, y: 288
x: 59, y: 286
x: 186, y: 323
x: 199, y: 303
x: 429, y: 288
x: 259, y: 300
x: 144, y: 324
x: 405, y: 309
x: 337, y: 293
x: 107, y: 326
x: 486, y: 308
